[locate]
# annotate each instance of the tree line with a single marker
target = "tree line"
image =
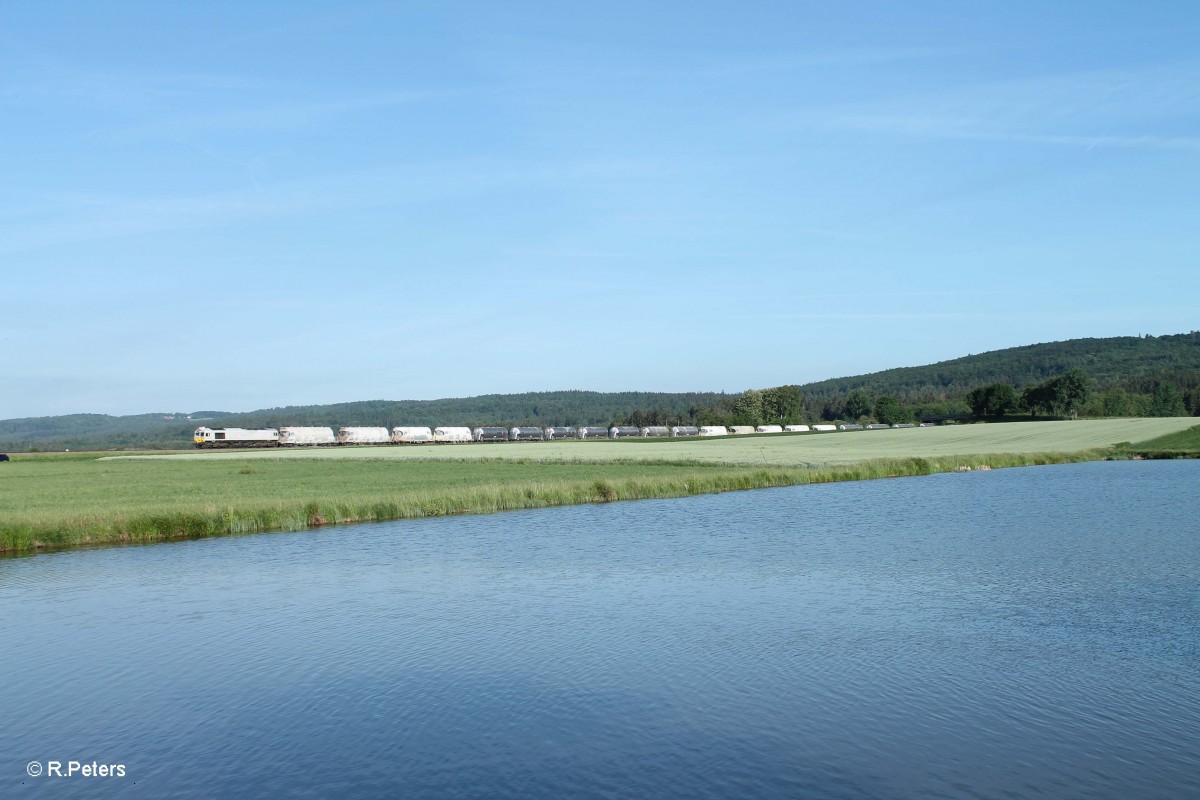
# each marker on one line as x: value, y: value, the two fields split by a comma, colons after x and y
x: 1074, y: 394
x: 1070, y: 395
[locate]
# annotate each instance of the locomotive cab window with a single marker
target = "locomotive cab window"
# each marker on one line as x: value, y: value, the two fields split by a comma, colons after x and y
x: 219, y: 435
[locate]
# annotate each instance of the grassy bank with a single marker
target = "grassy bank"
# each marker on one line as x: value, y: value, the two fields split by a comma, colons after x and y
x: 1182, y: 444
x: 48, y: 502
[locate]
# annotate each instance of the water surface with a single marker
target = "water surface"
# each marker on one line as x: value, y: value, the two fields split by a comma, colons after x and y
x: 1013, y: 633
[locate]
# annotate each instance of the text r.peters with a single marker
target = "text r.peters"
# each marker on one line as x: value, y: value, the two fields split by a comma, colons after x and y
x: 92, y: 770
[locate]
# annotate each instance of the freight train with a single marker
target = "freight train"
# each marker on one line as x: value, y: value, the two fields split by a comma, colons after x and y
x: 357, y: 435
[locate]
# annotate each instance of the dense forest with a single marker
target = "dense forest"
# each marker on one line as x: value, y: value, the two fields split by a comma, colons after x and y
x: 1117, y: 377
x: 1122, y: 376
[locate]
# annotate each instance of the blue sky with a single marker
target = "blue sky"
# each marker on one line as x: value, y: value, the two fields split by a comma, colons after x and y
x: 242, y: 205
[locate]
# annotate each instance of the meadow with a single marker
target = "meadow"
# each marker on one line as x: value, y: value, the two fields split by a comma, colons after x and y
x: 64, y: 500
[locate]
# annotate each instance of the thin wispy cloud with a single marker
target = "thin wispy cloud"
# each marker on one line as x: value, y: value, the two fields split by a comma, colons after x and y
x: 272, y: 116
x: 1104, y: 108
x: 868, y: 315
x: 943, y: 293
x: 52, y: 78
x: 575, y: 59
x: 70, y: 219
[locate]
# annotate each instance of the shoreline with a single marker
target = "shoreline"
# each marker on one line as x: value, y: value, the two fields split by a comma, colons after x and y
x: 485, y: 498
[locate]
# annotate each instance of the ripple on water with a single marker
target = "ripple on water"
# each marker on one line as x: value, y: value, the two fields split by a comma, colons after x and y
x: 1017, y: 633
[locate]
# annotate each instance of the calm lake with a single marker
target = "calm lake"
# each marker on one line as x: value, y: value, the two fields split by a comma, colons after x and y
x: 1016, y: 633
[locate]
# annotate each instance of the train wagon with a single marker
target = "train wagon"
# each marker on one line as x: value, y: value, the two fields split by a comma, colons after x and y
x: 714, y: 430
x: 769, y: 429
x: 796, y: 428
x: 567, y: 432
x: 741, y: 430
x: 850, y: 426
x: 623, y: 432
x: 235, y: 437
x: 520, y: 434
x: 354, y: 434
x: 407, y: 435
x: 293, y: 436
x: 593, y: 432
x: 824, y: 428
x: 656, y: 430
x: 685, y: 430
x: 452, y: 435
x: 489, y: 434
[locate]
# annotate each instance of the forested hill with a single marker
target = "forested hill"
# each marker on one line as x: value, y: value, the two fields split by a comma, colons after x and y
x: 531, y: 408
x: 1132, y: 363
x: 174, y: 430
x: 1129, y: 368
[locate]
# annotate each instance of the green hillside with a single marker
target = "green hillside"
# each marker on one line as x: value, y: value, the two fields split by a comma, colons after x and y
x: 1125, y: 371
x: 1136, y: 364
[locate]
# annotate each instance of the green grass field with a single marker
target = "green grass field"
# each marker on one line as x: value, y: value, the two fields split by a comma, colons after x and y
x: 78, y: 499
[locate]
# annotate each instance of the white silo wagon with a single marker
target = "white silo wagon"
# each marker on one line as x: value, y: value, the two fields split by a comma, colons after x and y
x: 363, y: 435
x: 306, y: 436
x: 824, y: 428
x: 656, y: 430
x: 593, y: 432
x: 407, y: 435
x: 623, y: 432
x: 796, y: 428
x: 769, y: 429
x: 714, y: 430
x: 741, y: 430
x: 452, y: 435
x: 520, y: 434
x: 685, y: 430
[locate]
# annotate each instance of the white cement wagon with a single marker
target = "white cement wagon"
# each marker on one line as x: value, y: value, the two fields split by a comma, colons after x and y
x: 235, y: 437
x: 452, y: 435
x: 740, y: 430
x: 796, y: 428
x: 769, y: 429
x: 685, y: 430
x: 409, y: 435
x: 656, y: 430
x: 307, y: 437
x: 713, y: 430
x: 824, y: 428
x: 362, y: 435
x: 593, y: 432
x: 850, y: 426
x: 623, y: 432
